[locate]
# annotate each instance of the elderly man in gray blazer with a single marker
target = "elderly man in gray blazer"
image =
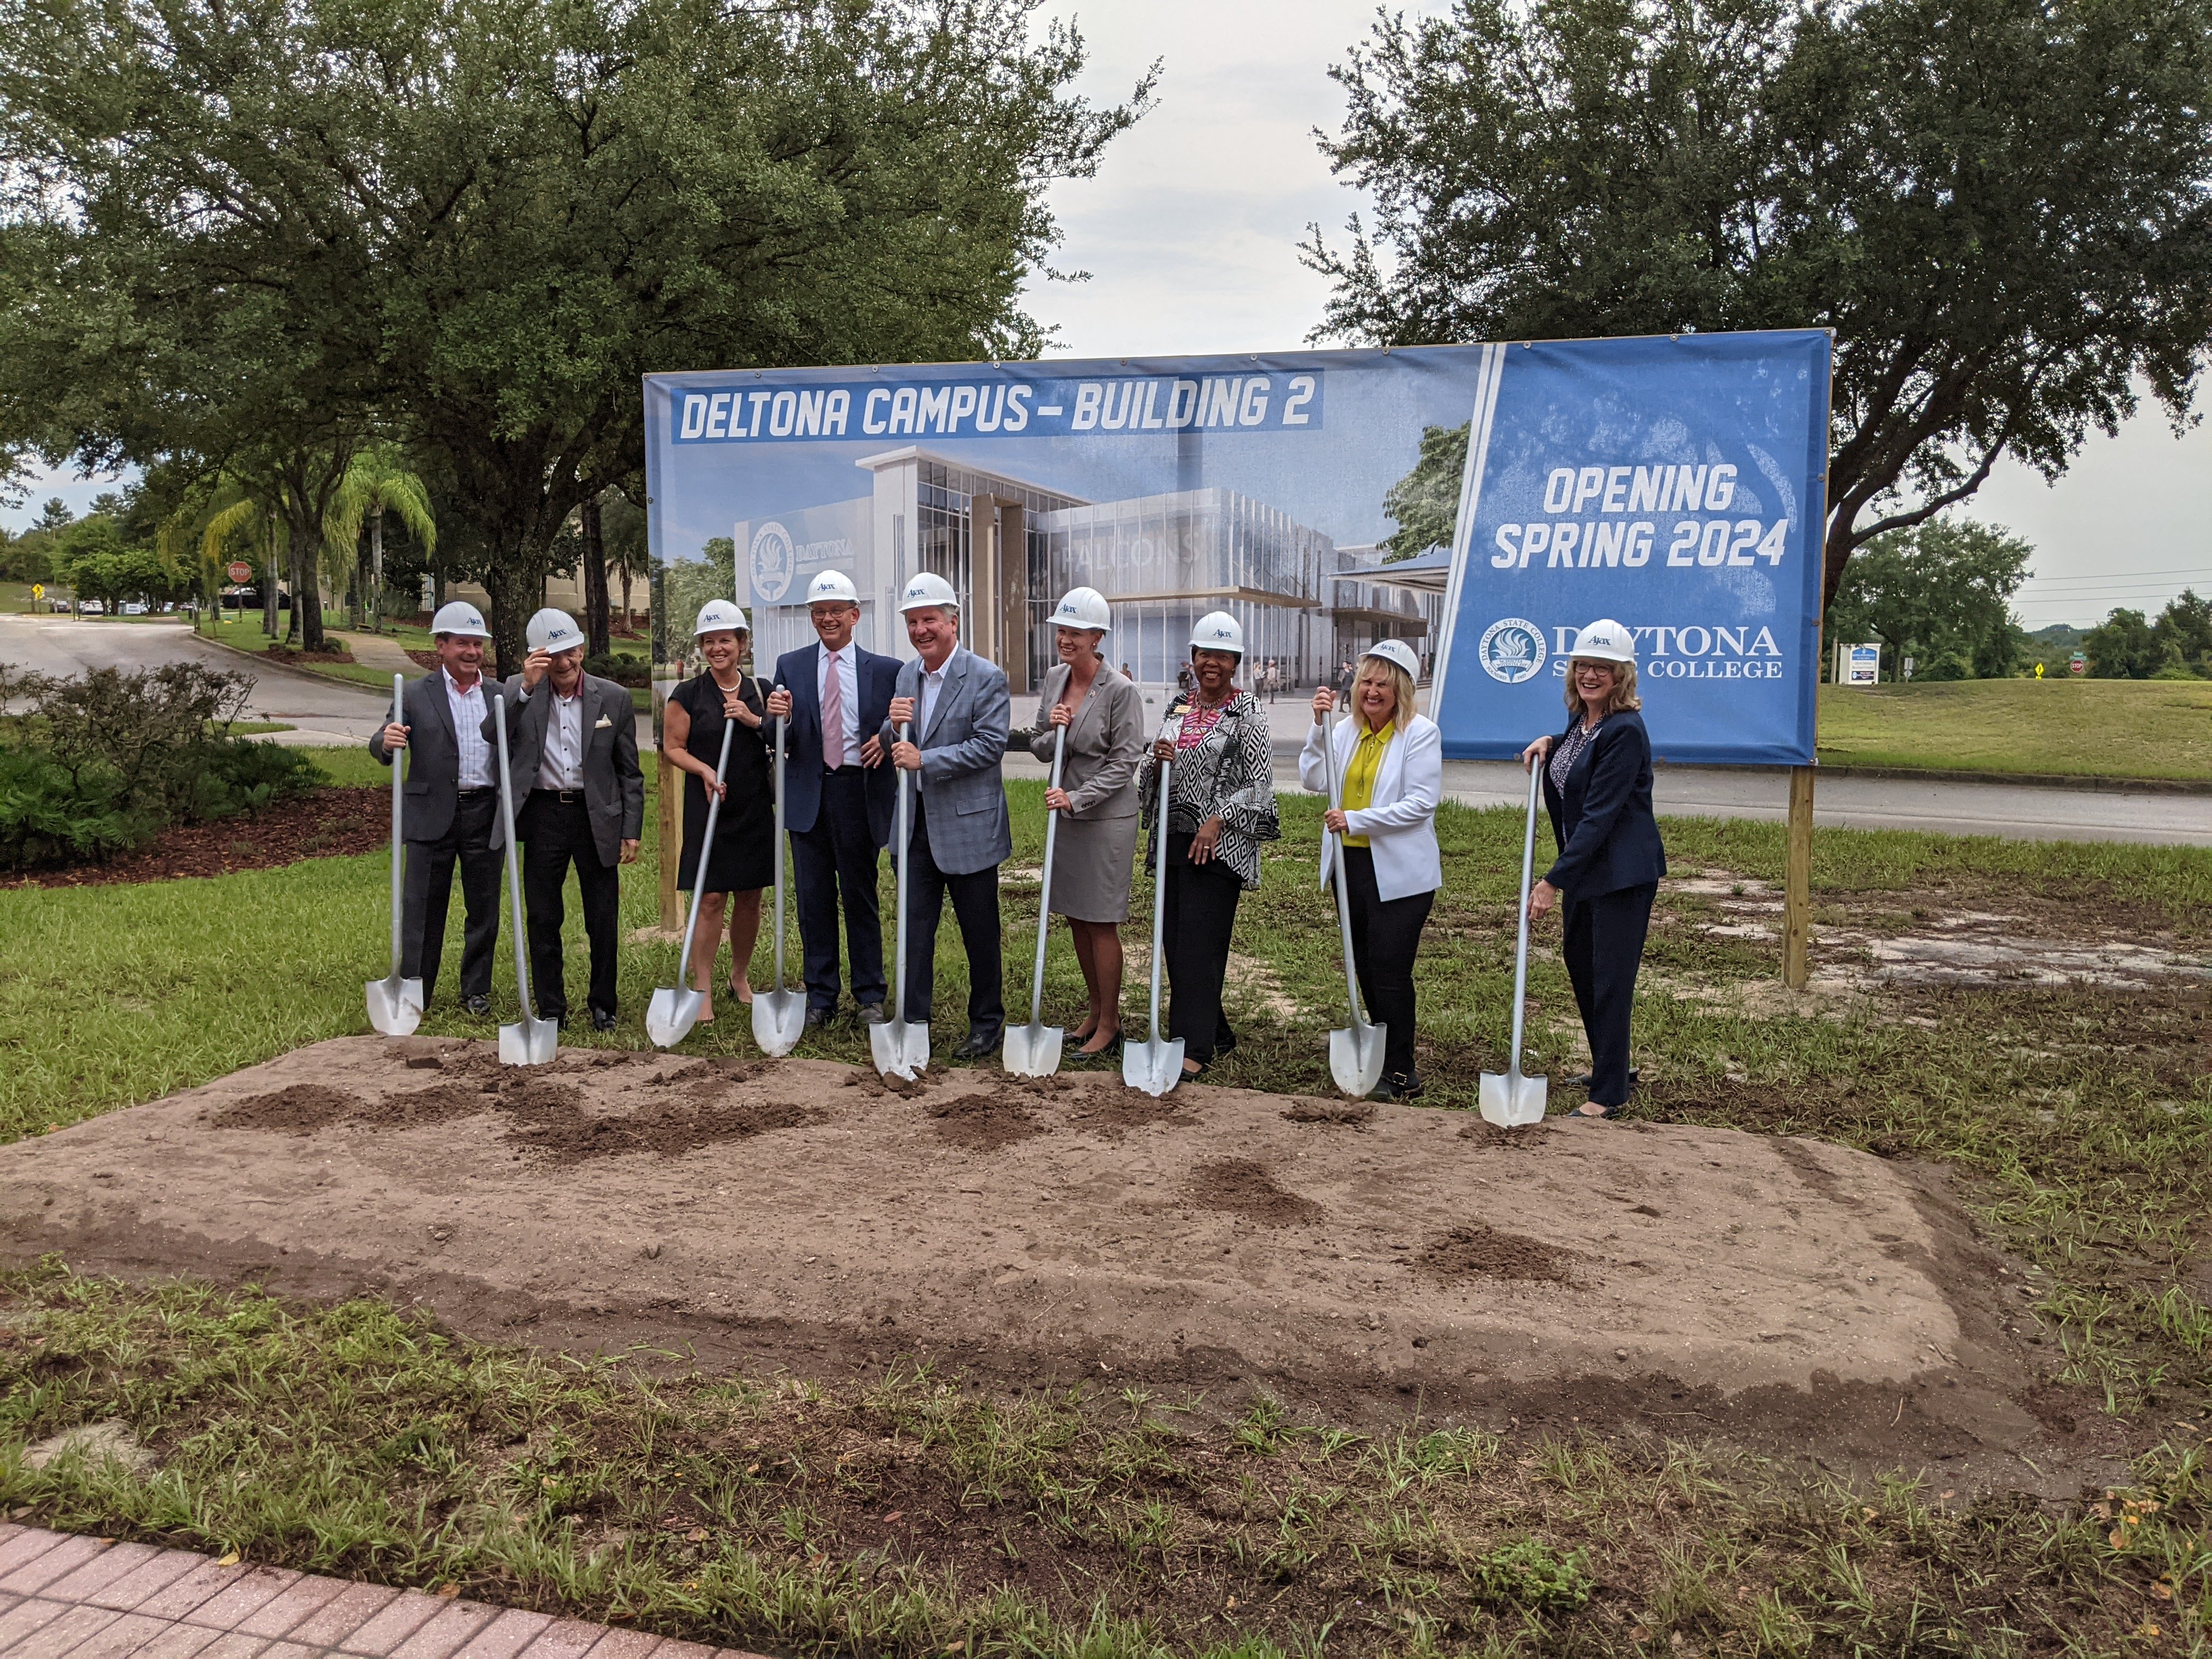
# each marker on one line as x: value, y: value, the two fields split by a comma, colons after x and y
x: 572, y: 741
x: 961, y: 714
x: 450, y: 810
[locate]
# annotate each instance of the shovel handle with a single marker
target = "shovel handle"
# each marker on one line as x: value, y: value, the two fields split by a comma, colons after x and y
x: 1343, y: 899
x: 1044, y: 885
x: 399, y: 809
x: 1168, y: 732
x: 1521, y: 949
x: 514, y: 863
x: 706, y: 852
x: 782, y: 726
x: 905, y: 853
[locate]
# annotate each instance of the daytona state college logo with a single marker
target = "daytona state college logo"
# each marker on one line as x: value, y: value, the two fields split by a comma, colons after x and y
x: 775, y: 563
x: 1512, y: 650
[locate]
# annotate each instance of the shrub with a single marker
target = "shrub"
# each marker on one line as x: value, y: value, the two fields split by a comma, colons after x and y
x: 620, y: 666
x: 1531, y: 1574
x: 49, y: 817
x: 239, y: 775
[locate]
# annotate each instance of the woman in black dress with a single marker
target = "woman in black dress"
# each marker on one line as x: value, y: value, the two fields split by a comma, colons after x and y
x: 742, y: 861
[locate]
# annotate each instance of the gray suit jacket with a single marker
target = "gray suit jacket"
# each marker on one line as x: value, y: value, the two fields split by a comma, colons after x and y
x: 614, y: 787
x: 433, y: 762
x: 969, y: 826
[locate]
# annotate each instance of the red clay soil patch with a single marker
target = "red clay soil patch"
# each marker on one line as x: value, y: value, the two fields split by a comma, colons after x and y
x: 1489, y: 1135
x: 329, y: 654
x: 1480, y: 1252
x: 1312, y: 1109
x: 327, y: 823
x: 1241, y: 1187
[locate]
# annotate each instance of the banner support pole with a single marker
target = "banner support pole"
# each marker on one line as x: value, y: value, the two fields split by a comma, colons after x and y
x: 1797, y: 884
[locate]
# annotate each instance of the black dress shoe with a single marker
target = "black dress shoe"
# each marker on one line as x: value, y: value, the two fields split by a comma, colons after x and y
x: 602, y: 1020
x: 873, y: 1014
x: 979, y: 1045
x: 816, y: 1020
x: 478, y: 1005
x: 1402, y: 1085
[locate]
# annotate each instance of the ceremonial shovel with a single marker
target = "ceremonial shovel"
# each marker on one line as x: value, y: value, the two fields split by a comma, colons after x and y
x: 670, y: 1015
x: 532, y: 1041
x: 1153, y: 1066
x: 1033, y: 1051
x: 395, y: 1005
x: 1512, y: 1101
x: 1355, y: 1056
x: 898, y: 1046
x: 779, y: 1015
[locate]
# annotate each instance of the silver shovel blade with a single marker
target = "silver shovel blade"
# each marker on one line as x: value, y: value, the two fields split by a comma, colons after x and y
x: 530, y: 1042
x: 1512, y: 1101
x: 1155, y: 1067
x: 1355, y: 1059
x: 395, y: 1005
x: 900, y: 1047
x: 670, y: 1015
x: 779, y: 1021
x: 1033, y: 1051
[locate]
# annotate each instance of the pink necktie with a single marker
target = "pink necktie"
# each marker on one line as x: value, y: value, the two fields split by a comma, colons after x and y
x: 833, y: 719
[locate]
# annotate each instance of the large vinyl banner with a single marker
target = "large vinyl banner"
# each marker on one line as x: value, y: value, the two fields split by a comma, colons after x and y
x: 1676, y: 485
x: 1284, y: 488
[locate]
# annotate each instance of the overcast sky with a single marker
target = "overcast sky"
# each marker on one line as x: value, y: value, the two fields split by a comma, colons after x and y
x: 1190, y: 233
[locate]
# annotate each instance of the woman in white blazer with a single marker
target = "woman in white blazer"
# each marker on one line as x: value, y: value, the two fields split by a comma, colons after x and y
x: 1391, y: 760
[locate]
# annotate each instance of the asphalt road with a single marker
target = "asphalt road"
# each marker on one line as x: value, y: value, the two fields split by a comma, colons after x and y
x: 327, y: 712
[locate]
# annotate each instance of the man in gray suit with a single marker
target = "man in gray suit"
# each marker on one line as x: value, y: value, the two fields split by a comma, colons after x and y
x: 960, y: 710
x: 451, y: 808
x: 571, y: 740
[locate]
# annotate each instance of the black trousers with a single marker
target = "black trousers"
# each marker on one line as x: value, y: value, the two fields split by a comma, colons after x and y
x: 1201, y: 914
x: 975, y: 908
x: 838, y: 856
x: 1604, y: 947
x: 553, y: 833
x: 428, y: 890
x: 1385, y: 934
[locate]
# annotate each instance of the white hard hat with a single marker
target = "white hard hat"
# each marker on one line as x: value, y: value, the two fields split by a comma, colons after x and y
x: 832, y: 586
x: 927, y: 590
x: 461, y: 619
x: 1083, y: 607
x: 717, y: 616
x: 1395, y: 650
x: 1218, y: 630
x: 553, y: 630
x: 1605, y: 640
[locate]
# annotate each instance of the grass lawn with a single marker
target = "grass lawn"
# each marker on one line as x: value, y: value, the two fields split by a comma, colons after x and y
x: 2110, y: 728
x: 2077, y: 1123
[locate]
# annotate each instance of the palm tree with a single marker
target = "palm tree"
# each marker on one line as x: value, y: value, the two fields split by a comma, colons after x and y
x: 376, y: 483
x: 215, y: 519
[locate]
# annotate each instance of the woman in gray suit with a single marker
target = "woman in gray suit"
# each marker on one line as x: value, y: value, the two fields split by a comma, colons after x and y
x: 1104, y: 718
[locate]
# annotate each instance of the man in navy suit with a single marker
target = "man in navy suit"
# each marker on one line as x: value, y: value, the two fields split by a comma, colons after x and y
x: 836, y: 697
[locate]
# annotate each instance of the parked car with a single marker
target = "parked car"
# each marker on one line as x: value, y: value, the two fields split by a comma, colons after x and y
x: 91, y: 608
x: 61, y: 605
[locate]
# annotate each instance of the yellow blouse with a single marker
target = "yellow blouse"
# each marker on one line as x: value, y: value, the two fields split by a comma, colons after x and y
x: 1359, y: 776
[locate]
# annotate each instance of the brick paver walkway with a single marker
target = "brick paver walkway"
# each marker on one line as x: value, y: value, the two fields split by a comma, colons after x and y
x: 62, y: 1596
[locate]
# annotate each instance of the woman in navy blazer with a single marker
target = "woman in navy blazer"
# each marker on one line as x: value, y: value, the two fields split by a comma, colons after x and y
x: 1597, y: 788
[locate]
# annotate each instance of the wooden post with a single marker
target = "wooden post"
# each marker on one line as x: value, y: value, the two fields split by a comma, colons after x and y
x: 1797, y: 884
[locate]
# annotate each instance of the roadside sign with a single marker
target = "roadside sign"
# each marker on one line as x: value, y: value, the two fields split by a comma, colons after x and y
x: 2077, y: 664
x: 1858, y: 665
x: 38, y: 590
x: 239, y: 572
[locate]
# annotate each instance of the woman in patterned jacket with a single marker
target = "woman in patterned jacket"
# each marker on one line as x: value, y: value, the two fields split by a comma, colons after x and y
x: 1221, y: 806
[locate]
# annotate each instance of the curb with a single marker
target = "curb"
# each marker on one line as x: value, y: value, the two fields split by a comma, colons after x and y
x: 270, y: 665
x: 2085, y: 781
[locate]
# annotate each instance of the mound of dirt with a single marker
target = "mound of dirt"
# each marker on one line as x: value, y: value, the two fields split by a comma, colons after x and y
x: 1237, y: 1185
x: 1475, y: 1251
x: 799, y: 1214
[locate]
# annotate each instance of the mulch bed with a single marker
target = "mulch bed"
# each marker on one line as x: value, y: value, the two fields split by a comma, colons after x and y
x: 336, y: 653
x: 328, y: 823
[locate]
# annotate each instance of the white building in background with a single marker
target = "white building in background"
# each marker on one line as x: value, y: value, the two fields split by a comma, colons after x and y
x: 1010, y: 547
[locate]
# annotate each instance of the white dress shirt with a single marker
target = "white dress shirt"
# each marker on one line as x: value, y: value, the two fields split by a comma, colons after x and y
x: 933, y: 682
x: 561, y: 766
x: 846, y: 665
x: 469, y: 745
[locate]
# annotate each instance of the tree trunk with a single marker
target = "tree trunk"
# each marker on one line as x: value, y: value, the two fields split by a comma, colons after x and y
x: 268, y: 600
x: 306, y: 587
x: 509, y: 598
x: 376, y: 571
x: 628, y: 626
x: 598, y: 642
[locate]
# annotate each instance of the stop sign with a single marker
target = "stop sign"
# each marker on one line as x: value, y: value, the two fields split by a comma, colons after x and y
x: 240, y: 571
